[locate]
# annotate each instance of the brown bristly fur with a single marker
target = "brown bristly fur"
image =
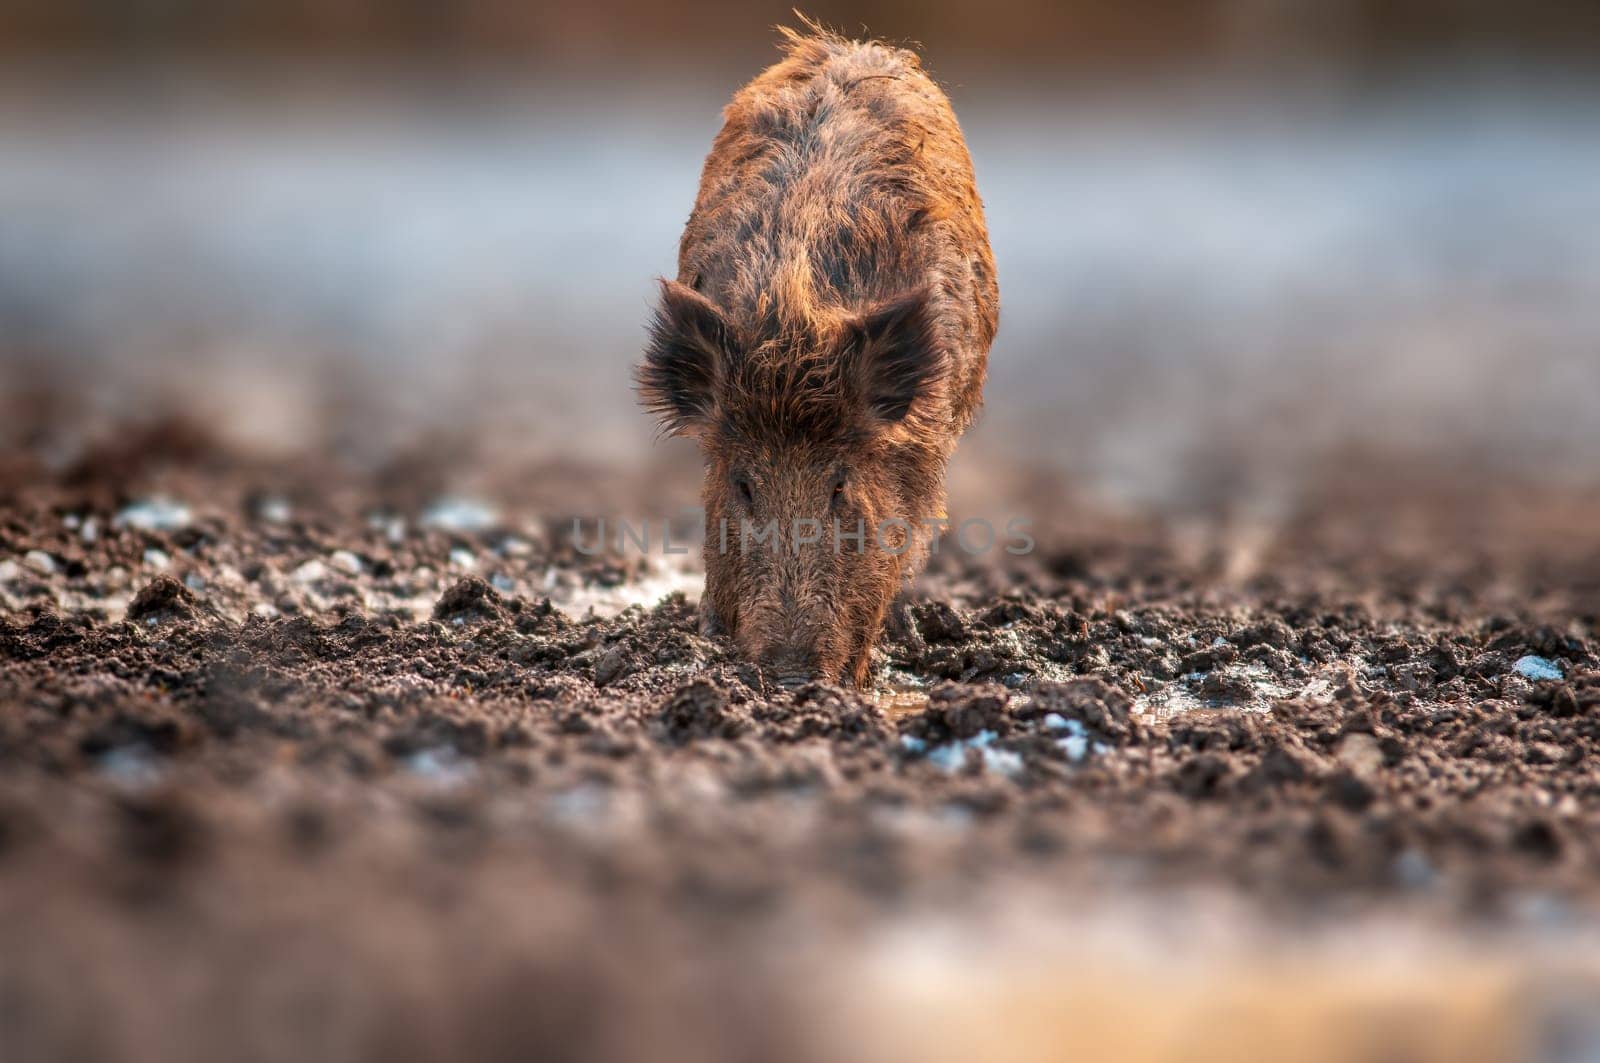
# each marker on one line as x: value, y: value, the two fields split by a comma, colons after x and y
x: 825, y: 341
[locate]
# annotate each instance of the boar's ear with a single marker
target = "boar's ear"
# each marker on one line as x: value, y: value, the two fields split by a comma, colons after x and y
x: 688, y: 342
x: 898, y: 356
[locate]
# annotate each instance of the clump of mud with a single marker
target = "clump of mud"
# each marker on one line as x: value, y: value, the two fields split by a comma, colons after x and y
x: 162, y: 600
x: 1104, y: 712
x: 470, y: 600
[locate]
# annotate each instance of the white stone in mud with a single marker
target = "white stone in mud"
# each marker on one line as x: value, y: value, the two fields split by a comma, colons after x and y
x: 346, y: 562
x: 461, y: 515
x: 1539, y: 669
x: 154, y: 514
x: 312, y: 571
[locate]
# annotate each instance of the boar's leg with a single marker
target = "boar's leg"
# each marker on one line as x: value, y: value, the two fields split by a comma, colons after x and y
x: 710, y: 622
x: 858, y: 670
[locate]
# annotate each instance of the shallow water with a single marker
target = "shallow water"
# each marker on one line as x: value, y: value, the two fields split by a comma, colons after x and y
x: 1251, y: 688
x: 897, y: 704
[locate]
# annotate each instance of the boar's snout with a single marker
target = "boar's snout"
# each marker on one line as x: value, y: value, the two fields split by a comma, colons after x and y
x: 788, y: 649
x: 793, y: 681
x: 792, y: 667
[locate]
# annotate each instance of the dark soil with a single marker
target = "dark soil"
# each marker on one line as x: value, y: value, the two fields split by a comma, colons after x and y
x: 306, y: 771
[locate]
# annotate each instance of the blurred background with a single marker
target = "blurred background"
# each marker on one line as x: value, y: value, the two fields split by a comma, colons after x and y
x: 1238, y: 239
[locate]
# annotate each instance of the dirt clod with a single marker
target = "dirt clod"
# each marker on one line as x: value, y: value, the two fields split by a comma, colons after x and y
x: 161, y: 601
x: 469, y: 600
x: 1104, y: 711
x: 961, y: 711
x: 700, y: 709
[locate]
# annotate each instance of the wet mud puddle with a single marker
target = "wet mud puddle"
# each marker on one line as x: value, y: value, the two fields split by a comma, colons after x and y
x: 898, y: 704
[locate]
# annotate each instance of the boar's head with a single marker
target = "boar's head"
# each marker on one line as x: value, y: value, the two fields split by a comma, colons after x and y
x: 824, y: 450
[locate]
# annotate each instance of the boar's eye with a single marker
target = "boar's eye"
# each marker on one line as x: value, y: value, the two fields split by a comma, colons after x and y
x: 747, y: 492
x: 838, y: 486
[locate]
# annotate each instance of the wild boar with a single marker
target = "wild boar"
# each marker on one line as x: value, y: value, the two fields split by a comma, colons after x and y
x: 825, y: 342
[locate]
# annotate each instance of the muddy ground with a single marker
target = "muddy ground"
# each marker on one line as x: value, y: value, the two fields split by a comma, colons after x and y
x: 300, y: 760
